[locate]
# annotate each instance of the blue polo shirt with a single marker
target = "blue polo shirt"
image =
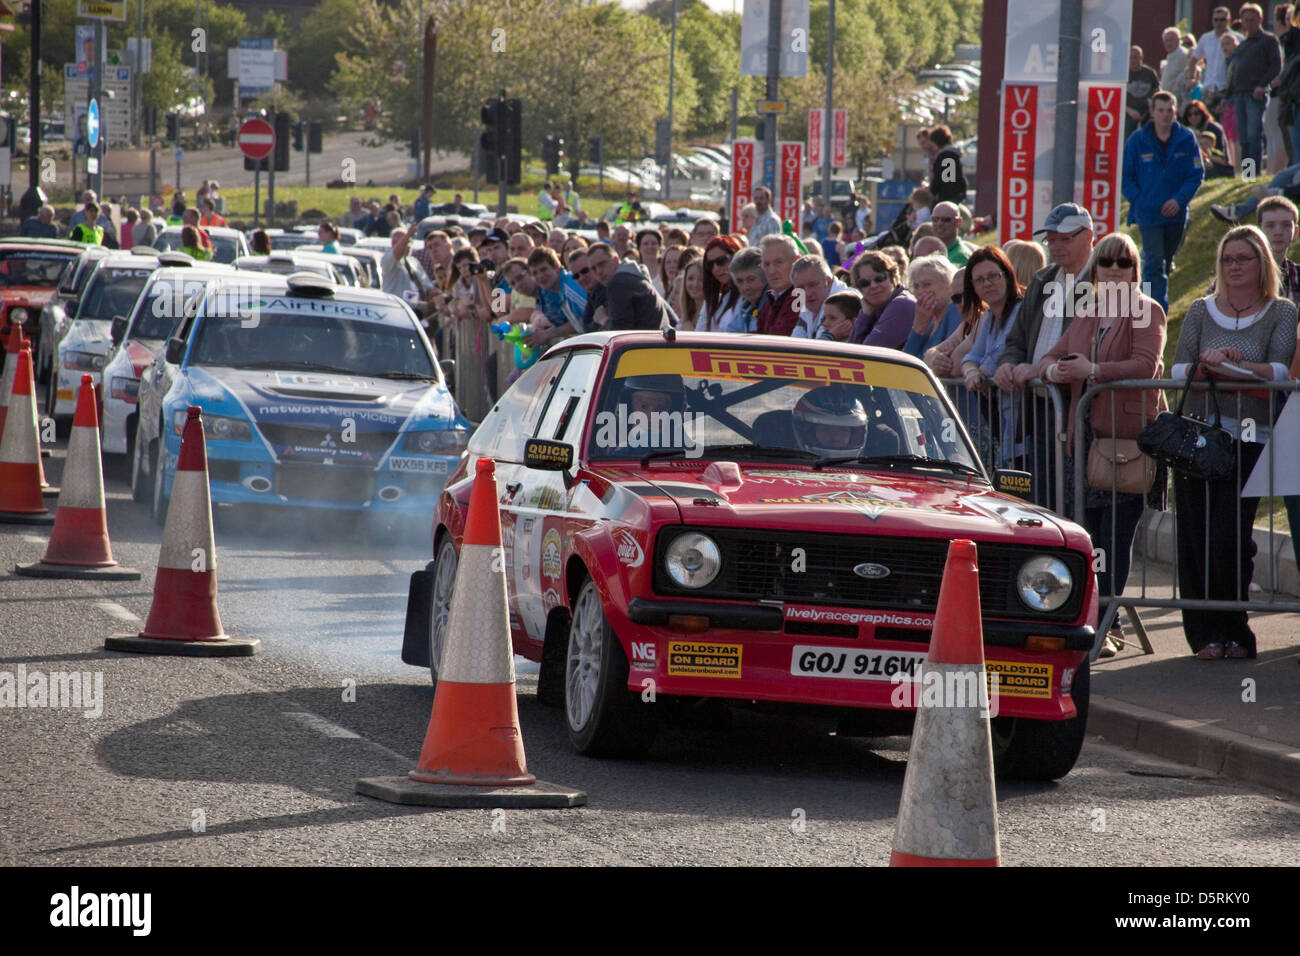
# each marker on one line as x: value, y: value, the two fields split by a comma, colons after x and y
x: 566, y: 305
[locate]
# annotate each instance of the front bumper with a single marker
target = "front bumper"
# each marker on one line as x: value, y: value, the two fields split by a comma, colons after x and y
x: 764, y: 652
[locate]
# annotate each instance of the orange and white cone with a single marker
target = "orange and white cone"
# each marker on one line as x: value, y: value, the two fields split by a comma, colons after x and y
x: 79, y: 546
x: 474, y: 747
x: 948, y: 814
x: 183, y: 618
x: 13, y: 346
x: 21, y: 500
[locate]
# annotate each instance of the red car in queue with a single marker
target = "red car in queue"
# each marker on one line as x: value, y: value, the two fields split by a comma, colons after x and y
x: 762, y: 520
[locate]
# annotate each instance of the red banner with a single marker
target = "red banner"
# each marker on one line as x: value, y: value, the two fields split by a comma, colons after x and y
x: 742, y: 177
x: 1102, y: 155
x: 1015, y: 200
x: 791, y: 180
x: 815, y: 137
x: 840, y: 140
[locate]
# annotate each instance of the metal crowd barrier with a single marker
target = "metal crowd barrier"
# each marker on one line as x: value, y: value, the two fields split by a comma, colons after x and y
x: 1019, y: 430
x: 1268, y: 552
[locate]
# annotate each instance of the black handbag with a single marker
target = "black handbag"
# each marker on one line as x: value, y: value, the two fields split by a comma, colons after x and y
x: 1188, y: 445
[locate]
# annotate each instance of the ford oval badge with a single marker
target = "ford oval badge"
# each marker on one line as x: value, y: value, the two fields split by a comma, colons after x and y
x: 871, y: 570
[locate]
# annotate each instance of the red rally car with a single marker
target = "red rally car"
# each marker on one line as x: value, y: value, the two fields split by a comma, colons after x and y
x: 762, y: 520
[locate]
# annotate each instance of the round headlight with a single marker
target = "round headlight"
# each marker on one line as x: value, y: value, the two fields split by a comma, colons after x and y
x: 221, y: 427
x: 693, y: 560
x: 18, y: 315
x: 1044, y: 583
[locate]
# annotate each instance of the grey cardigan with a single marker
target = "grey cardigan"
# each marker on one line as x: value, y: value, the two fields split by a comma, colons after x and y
x: 1270, y: 338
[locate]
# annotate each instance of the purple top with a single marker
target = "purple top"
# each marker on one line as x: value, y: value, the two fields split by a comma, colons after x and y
x: 890, y: 326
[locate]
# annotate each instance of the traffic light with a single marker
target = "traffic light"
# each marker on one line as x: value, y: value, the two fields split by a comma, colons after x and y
x: 282, y: 137
x: 553, y: 154
x: 151, y: 121
x: 492, y: 140
x: 297, y: 136
x: 314, y: 138
x: 173, y: 128
x: 598, y: 151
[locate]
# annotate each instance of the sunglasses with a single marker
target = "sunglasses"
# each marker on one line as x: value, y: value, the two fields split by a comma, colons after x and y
x: 1106, y: 262
x: 956, y: 298
x: 718, y: 261
x: 867, y: 283
x: 582, y: 272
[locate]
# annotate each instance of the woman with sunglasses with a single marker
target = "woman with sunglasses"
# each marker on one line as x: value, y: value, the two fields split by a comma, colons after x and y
x: 991, y: 280
x: 720, y: 297
x: 1243, y: 330
x: 1118, y: 334
x: 887, y: 307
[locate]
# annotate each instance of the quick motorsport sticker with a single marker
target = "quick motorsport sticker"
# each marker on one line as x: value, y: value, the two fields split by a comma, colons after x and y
x: 1021, y: 679
x: 692, y: 659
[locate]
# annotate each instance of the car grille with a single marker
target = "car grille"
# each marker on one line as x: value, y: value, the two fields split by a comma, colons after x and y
x: 327, y: 484
x: 760, y: 564
x: 313, y: 437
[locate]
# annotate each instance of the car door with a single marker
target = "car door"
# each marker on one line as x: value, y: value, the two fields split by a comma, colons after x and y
x: 157, y: 379
x: 539, y: 506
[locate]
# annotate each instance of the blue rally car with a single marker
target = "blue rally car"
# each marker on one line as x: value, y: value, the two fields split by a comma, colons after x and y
x: 313, y: 395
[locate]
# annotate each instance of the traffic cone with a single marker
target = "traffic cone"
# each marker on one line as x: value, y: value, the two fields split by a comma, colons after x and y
x: 948, y: 815
x: 183, y: 618
x: 79, y: 546
x: 473, y: 751
x: 13, y: 346
x: 20, y: 453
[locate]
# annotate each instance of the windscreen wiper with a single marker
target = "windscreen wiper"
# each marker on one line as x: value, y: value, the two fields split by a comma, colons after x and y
x: 920, y: 461
x: 713, y: 451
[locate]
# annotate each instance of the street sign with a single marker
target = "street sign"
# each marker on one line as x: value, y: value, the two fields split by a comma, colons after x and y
x: 742, y: 175
x: 794, y: 38
x: 92, y: 123
x: 772, y: 107
x: 815, y: 136
x: 840, y: 139
x: 256, y: 138
x: 102, y: 9
x: 114, y: 101
x: 178, y: 154
x: 92, y: 166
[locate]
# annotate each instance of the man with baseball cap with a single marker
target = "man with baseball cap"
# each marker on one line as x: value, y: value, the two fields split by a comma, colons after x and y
x: 1049, y: 304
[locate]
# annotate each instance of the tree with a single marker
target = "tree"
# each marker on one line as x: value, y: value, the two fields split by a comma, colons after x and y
x: 317, y: 42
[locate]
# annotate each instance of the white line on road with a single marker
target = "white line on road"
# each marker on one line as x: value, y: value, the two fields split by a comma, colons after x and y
x: 117, y: 611
x: 319, y: 724
x: 34, y: 539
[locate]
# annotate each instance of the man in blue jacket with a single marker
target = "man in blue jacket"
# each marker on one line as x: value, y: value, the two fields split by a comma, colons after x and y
x: 1162, y: 171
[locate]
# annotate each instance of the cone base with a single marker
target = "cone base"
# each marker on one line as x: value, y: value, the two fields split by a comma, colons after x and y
x: 907, y: 859
x: 406, y: 791
x: 104, y: 572
x: 224, y: 647
x: 49, y: 491
x: 467, y: 780
x: 24, y: 517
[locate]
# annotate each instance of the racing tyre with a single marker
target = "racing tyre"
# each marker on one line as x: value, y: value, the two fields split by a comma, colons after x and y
x: 444, y: 580
x: 159, y: 509
x: 604, y: 718
x: 1042, y: 749
x: 139, y: 489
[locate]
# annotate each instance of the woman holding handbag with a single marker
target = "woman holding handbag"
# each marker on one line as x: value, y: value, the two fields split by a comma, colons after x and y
x: 1119, y: 334
x: 1244, y: 330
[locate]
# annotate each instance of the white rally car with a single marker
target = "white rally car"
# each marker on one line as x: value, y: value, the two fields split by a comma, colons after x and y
x: 112, y: 290
x: 137, y: 340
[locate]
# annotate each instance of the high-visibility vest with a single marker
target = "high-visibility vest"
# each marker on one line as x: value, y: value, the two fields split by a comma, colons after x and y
x: 91, y: 235
x: 213, y: 220
x: 175, y: 220
x: 544, y: 211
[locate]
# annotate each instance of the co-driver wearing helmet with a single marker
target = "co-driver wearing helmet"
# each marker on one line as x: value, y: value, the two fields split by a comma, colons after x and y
x: 831, y: 422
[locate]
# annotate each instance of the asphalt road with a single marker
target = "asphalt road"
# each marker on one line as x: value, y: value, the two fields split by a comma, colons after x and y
x: 253, y: 762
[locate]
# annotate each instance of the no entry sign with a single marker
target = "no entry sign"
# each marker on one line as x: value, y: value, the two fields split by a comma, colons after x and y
x: 256, y: 138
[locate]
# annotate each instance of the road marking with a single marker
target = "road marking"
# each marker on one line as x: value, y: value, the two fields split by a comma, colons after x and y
x: 320, y: 724
x: 117, y: 611
x: 34, y: 539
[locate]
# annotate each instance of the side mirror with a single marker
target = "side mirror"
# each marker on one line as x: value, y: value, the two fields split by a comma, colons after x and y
x: 448, y: 367
x: 118, y: 330
x: 175, y: 351
x: 546, y: 455
x: 1018, y: 484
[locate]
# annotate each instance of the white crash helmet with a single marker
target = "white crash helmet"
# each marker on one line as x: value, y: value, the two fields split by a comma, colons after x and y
x: 834, y: 406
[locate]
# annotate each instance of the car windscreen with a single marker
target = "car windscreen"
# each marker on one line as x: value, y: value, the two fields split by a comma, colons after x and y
x: 112, y: 292
x: 305, y: 333
x: 27, y: 267
x: 162, y: 306
x: 224, y: 248
x: 747, y: 403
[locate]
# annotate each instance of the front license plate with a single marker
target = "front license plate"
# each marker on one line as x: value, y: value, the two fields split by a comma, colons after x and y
x: 852, y: 664
x: 426, y: 466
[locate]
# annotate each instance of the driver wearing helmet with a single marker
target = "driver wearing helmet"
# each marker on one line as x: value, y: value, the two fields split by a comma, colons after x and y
x: 648, y: 416
x: 831, y: 422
